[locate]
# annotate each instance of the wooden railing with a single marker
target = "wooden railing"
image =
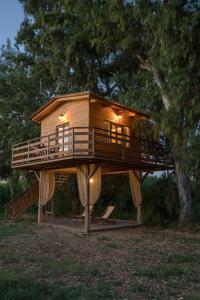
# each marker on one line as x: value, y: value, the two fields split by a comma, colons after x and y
x: 15, y: 208
x: 85, y: 142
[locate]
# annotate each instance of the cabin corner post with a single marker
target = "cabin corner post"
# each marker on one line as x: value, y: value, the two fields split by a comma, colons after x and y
x: 87, y: 207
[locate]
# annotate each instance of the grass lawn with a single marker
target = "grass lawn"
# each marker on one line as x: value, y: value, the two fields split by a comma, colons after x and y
x: 39, y: 262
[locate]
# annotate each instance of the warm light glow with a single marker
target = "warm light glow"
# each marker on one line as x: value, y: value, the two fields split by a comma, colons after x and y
x: 118, y: 117
x: 91, y: 180
x: 62, y: 118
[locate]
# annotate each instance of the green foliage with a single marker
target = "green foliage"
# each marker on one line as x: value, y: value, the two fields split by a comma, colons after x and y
x: 19, y: 98
x: 98, y: 45
x: 116, y: 191
x: 160, y: 201
x: 4, y: 194
x: 66, y: 199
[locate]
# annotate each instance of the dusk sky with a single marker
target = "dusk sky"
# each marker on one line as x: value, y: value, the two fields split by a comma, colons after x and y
x: 11, y: 16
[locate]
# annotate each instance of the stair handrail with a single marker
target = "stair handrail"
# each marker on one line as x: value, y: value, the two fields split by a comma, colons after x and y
x: 19, y: 201
x: 12, y: 202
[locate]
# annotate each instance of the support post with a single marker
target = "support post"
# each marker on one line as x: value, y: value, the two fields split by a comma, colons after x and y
x: 40, y: 211
x: 139, y: 219
x: 87, y: 208
x: 135, y: 182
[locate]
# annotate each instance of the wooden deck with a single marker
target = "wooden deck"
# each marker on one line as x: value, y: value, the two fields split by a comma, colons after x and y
x: 80, y: 145
x: 77, y: 224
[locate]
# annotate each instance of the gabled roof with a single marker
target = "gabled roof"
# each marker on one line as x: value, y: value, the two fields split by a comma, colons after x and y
x: 56, y: 101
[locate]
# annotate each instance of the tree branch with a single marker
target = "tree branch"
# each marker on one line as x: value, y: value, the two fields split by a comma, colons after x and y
x: 158, y: 79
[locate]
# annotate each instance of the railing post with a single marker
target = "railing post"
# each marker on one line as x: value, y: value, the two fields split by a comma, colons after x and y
x: 93, y: 140
x: 48, y: 148
x: 123, y: 147
x: 28, y: 149
x: 73, y: 141
x: 12, y: 153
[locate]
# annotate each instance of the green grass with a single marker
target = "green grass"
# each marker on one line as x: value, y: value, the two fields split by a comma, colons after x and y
x: 162, y: 272
x: 15, y: 286
x: 38, y: 262
x: 14, y: 229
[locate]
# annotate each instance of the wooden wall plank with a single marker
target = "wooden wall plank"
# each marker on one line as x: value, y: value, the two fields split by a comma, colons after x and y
x: 75, y: 112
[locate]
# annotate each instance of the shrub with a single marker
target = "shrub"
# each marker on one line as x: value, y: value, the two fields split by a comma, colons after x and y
x: 160, y: 200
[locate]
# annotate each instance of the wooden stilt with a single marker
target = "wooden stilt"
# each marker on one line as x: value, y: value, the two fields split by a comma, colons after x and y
x: 40, y: 211
x: 87, y: 208
x: 139, y: 219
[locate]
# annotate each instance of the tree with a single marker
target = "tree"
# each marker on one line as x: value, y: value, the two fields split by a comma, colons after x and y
x: 145, y: 53
x: 163, y: 35
x: 20, y: 95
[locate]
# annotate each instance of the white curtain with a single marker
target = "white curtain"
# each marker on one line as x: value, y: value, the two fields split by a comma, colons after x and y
x: 95, y: 184
x: 135, y: 188
x: 136, y: 192
x: 47, y: 186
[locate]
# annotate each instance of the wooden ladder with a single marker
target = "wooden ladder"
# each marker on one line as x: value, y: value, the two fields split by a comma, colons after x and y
x: 16, y: 207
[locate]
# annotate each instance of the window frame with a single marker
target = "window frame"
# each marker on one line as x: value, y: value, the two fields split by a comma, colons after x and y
x: 124, y: 129
x: 62, y: 137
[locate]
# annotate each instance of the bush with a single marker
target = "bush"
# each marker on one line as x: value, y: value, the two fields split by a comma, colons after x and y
x: 5, y: 194
x: 116, y: 191
x: 160, y: 200
x: 66, y: 198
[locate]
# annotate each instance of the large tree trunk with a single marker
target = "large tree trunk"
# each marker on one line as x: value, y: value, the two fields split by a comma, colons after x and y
x: 184, y: 191
x: 183, y: 182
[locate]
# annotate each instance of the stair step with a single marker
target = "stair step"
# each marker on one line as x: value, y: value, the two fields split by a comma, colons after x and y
x: 18, y: 206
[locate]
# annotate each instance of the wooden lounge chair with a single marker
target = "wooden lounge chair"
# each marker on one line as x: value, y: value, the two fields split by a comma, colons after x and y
x: 104, y: 218
x: 82, y: 214
x: 107, y: 212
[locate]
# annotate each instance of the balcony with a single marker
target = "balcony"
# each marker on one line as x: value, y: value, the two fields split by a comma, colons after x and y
x: 94, y: 145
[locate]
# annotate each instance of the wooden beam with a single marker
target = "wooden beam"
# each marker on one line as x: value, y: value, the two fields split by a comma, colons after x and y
x: 93, y: 171
x: 138, y: 177
x: 40, y: 212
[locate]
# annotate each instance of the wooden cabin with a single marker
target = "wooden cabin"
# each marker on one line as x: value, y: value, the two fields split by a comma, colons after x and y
x: 84, y: 129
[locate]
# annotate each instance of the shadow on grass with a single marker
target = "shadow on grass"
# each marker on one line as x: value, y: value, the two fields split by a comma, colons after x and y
x: 14, y: 287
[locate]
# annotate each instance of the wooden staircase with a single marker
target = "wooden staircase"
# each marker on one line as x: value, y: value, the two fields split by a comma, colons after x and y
x: 16, y: 207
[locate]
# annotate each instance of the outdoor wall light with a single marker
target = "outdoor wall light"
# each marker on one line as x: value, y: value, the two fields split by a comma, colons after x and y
x: 118, y: 117
x: 62, y: 117
x: 91, y: 180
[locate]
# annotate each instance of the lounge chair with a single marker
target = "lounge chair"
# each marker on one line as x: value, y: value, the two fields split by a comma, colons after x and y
x: 107, y: 212
x: 82, y: 214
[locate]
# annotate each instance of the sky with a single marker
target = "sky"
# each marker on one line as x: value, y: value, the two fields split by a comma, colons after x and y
x: 11, y: 16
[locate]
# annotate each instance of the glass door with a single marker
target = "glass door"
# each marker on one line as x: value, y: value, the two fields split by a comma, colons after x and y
x: 63, y: 136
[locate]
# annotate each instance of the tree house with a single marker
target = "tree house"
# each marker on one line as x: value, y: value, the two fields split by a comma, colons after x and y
x: 84, y: 130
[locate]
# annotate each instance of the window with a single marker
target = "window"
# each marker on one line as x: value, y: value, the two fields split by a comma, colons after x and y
x: 62, y: 136
x: 116, y: 133
x: 107, y: 131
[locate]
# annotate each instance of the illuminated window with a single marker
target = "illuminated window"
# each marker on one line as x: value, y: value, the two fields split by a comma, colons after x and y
x: 63, y: 136
x: 116, y: 134
x: 107, y: 131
